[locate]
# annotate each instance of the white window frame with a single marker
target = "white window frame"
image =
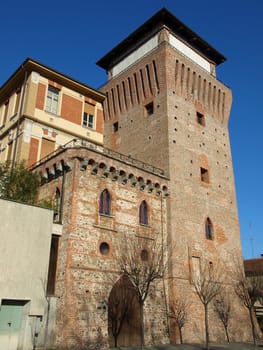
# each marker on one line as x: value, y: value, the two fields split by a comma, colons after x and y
x: 88, y: 120
x: 52, y: 100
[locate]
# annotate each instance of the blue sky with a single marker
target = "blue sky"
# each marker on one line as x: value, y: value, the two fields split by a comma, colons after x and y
x: 71, y: 36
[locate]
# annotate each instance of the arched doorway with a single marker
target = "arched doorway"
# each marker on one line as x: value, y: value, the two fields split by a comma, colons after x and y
x: 123, y: 315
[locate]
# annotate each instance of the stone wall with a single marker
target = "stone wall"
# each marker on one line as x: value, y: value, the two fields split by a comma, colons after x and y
x: 86, y: 273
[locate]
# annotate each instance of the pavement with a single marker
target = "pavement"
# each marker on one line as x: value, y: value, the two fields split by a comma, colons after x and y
x: 225, y: 346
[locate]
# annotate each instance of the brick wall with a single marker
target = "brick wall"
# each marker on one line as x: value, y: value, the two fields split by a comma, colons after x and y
x: 86, y: 276
x: 173, y: 139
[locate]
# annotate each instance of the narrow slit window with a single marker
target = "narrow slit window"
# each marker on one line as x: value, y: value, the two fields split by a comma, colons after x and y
x: 209, y: 232
x: 143, y: 213
x: 204, y: 175
x: 149, y: 109
x: 56, y: 205
x: 115, y: 126
x: 200, y: 118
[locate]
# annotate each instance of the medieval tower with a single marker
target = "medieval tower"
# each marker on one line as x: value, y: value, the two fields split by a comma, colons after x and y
x: 165, y: 106
x: 141, y: 165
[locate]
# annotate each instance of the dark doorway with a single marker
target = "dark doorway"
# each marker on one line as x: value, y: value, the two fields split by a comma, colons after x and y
x: 123, y: 315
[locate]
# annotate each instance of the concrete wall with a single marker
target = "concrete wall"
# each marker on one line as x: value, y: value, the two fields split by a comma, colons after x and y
x: 25, y: 235
x: 24, y: 252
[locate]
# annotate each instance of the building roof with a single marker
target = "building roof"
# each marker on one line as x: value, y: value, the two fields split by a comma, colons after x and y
x: 151, y: 27
x: 30, y: 65
x: 253, y: 266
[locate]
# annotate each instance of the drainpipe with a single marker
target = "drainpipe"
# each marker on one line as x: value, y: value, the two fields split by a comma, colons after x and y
x: 62, y: 193
x: 48, y: 299
x: 19, y: 120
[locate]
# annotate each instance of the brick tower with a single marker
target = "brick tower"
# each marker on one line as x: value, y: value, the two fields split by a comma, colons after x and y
x: 165, y: 106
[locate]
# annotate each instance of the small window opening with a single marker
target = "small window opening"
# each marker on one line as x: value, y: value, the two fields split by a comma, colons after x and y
x: 209, y: 232
x: 115, y: 126
x: 204, y: 175
x: 200, y: 118
x: 149, y: 109
x: 144, y: 255
x: 210, y: 268
x: 104, y: 248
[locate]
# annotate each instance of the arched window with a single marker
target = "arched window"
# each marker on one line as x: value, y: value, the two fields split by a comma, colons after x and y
x: 143, y: 213
x: 56, y: 205
x: 105, y: 202
x: 209, y: 232
x: 104, y: 248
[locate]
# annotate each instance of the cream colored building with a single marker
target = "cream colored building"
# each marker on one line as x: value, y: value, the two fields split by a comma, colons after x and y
x: 42, y: 109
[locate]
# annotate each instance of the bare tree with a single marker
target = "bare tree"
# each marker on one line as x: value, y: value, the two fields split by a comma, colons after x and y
x: 120, y: 302
x: 249, y: 290
x: 208, y: 285
x: 142, y: 263
x: 222, y: 307
x: 179, y: 312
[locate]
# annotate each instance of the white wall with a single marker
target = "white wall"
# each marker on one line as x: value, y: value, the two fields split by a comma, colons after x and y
x: 152, y: 44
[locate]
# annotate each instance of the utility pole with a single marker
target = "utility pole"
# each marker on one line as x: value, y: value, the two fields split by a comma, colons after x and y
x: 251, y: 238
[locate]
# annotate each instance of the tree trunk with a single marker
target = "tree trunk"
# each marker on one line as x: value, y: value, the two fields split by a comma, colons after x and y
x: 180, y: 335
x: 206, y: 327
x: 227, y: 335
x: 253, y: 328
x: 142, y: 324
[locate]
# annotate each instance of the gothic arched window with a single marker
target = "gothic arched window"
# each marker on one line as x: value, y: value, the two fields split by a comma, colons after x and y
x: 105, y: 202
x: 143, y: 213
x: 56, y: 205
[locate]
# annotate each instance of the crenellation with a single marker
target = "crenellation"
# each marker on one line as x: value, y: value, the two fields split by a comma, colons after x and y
x: 194, y: 86
x: 141, y: 86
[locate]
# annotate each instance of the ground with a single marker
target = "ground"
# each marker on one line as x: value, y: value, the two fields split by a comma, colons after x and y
x: 225, y: 346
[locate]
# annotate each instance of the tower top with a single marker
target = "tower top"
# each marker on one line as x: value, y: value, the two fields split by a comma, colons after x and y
x: 162, y: 18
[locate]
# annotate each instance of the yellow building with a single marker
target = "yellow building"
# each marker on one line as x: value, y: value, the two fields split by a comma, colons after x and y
x: 42, y: 109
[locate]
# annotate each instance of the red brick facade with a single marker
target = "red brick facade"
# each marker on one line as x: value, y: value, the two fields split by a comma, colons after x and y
x: 194, y: 153
x: 168, y: 112
x: 85, y: 275
x: 71, y: 109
